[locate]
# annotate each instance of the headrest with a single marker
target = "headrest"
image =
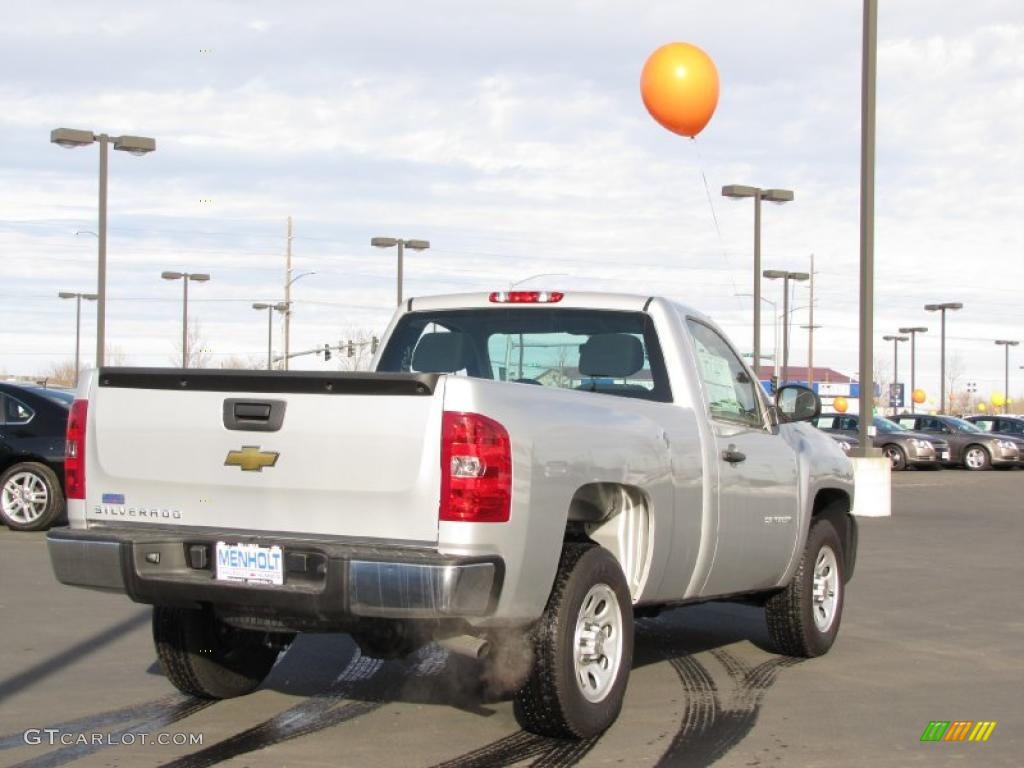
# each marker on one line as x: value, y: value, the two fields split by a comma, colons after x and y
x: 611, y: 354
x: 440, y: 353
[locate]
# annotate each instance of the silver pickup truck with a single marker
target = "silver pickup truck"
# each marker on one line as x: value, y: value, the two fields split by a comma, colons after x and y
x: 520, y: 475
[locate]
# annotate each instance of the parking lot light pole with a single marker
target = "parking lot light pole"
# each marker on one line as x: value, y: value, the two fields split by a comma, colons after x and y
x: 1006, y: 344
x: 913, y: 340
x: 280, y: 307
x: 199, y: 277
x: 772, y: 196
x: 136, y: 145
x: 391, y: 242
x: 78, y: 321
x: 949, y: 305
x: 775, y: 274
x: 895, y: 357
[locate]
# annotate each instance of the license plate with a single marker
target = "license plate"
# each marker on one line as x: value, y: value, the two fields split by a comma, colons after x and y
x: 249, y: 563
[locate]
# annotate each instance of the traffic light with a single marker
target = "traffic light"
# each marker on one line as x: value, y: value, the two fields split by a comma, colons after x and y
x: 351, y: 349
x: 373, y: 344
x: 327, y: 352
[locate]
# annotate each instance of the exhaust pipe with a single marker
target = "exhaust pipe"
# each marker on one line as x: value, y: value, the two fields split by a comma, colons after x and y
x: 466, y: 645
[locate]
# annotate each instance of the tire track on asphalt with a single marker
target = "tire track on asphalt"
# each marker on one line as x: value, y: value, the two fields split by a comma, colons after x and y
x: 320, y: 711
x: 521, y: 746
x: 183, y: 707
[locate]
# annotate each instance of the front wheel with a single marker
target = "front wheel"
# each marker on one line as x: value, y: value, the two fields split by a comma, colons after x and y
x: 803, y: 619
x: 583, y: 649
x: 897, y: 458
x: 203, y: 656
x: 976, y: 458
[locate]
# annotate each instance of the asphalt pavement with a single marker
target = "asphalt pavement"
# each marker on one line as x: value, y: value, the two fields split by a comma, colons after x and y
x: 932, y: 630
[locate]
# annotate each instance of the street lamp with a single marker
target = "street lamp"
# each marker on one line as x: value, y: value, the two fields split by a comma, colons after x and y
x: 199, y: 277
x: 391, y: 242
x: 136, y: 145
x: 775, y: 335
x: 78, y: 320
x: 896, y: 358
x: 772, y: 196
x: 288, y: 312
x: 913, y: 363
x: 280, y: 307
x: 942, y: 372
x: 786, y: 276
x: 1006, y: 344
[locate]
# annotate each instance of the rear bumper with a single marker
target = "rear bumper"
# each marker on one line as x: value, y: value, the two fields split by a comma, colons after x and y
x: 327, y: 582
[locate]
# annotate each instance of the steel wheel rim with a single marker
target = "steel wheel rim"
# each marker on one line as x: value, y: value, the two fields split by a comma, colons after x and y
x: 975, y: 458
x: 24, y: 497
x: 826, y: 589
x: 597, y: 643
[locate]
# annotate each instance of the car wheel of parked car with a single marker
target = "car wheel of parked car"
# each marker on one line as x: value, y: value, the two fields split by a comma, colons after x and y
x: 976, y: 458
x: 31, y: 498
x: 803, y: 619
x: 896, y: 457
x: 583, y: 648
x: 203, y: 656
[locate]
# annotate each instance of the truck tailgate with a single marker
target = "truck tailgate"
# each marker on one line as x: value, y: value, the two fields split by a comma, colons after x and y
x: 355, y: 454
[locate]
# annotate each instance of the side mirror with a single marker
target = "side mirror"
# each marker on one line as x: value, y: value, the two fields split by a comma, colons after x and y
x: 797, y: 403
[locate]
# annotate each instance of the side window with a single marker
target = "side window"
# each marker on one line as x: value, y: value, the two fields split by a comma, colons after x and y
x: 909, y: 422
x: 824, y: 422
x: 729, y: 390
x: 848, y: 424
x: 985, y: 424
x: 16, y: 412
x: 1013, y: 427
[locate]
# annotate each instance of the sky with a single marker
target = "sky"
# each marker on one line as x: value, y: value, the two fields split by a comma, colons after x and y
x: 512, y: 137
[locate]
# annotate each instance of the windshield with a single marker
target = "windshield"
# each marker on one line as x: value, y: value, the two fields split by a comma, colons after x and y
x: 963, y: 426
x: 583, y: 349
x: 884, y: 425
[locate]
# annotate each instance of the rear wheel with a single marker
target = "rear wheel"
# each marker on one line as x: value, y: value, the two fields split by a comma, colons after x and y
x: 203, y: 656
x: 583, y: 649
x: 897, y: 458
x: 803, y: 619
x: 31, y: 498
x: 976, y: 458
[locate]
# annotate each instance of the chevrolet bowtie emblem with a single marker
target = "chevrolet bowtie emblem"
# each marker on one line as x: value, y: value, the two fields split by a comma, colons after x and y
x: 251, y: 458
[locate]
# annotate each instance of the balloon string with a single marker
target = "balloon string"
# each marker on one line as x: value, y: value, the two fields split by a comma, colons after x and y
x: 714, y: 218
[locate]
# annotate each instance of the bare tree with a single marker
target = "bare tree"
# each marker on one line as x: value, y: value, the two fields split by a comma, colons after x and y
x: 356, y: 350
x: 954, y: 372
x: 61, y: 374
x: 198, y: 353
x: 238, y: 362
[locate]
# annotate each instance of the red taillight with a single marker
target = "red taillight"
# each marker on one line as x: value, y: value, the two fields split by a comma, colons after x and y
x: 74, y: 452
x: 476, y: 469
x: 526, y: 297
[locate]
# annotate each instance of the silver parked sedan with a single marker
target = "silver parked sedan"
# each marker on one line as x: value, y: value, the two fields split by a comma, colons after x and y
x: 970, y: 447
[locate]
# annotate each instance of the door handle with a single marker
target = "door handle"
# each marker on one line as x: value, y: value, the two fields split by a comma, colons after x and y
x: 733, y: 456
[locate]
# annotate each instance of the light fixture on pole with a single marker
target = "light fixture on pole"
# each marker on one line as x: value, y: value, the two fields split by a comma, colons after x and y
x: 271, y: 308
x: 185, y: 277
x: 913, y: 363
x: 772, y: 196
x: 1006, y: 344
x: 785, y: 276
x: 135, y: 145
x: 391, y: 242
x: 949, y: 305
x: 78, y: 321
x: 775, y: 336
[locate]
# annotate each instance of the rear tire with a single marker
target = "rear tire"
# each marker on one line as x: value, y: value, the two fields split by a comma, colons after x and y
x: 31, y: 498
x: 205, y: 657
x: 583, y: 648
x: 976, y: 458
x: 803, y: 619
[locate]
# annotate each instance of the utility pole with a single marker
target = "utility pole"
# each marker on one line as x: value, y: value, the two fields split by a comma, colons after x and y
x: 288, y: 295
x: 810, y: 333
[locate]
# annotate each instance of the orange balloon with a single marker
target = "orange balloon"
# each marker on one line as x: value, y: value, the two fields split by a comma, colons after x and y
x: 679, y: 86
x: 919, y: 396
x: 840, y: 404
x: 982, y: 407
x: 998, y: 399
